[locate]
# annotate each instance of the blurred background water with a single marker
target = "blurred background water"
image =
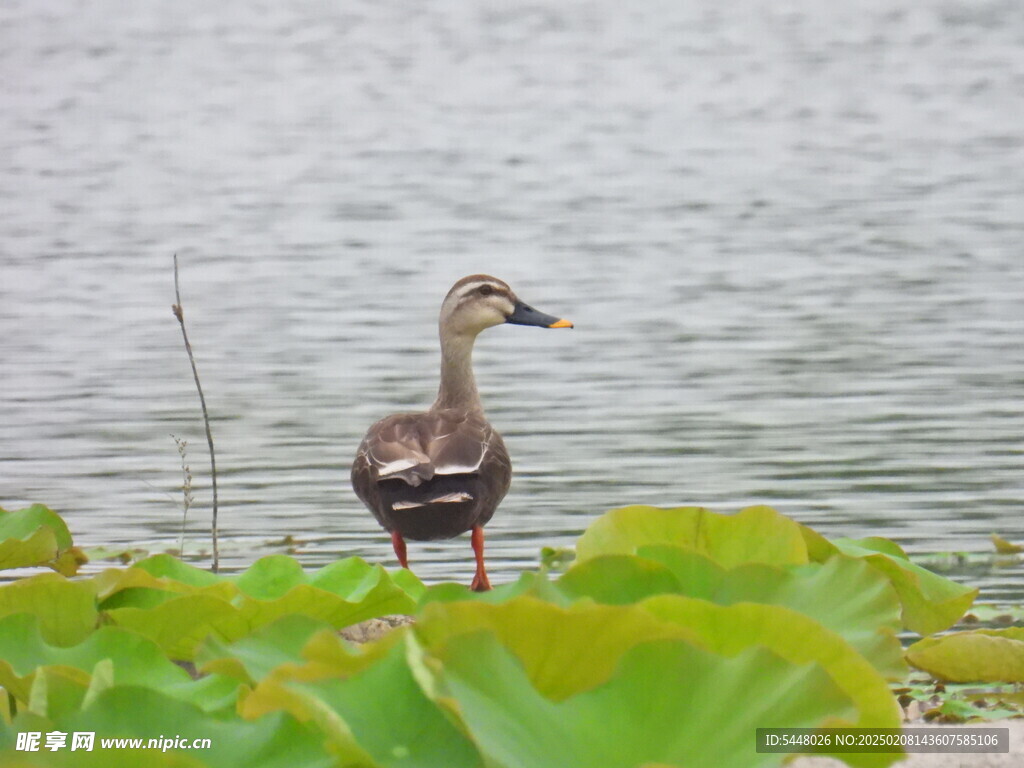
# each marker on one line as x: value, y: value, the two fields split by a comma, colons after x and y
x: 789, y: 234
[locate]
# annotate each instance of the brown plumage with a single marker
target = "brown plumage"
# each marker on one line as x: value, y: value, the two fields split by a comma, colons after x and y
x: 440, y: 473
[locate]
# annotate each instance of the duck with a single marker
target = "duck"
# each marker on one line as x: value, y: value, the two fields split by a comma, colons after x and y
x: 439, y: 473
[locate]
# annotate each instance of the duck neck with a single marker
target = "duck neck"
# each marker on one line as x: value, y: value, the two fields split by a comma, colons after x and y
x: 458, y: 387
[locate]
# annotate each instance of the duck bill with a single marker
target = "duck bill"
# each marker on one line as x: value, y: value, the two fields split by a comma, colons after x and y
x: 524, y: 314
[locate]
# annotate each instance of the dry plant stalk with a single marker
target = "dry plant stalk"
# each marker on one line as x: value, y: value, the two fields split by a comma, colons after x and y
x: 186, y: 489
x: 180, y: 314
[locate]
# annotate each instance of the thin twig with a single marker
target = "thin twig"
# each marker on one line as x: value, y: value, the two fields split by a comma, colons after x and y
x: 180, y: 314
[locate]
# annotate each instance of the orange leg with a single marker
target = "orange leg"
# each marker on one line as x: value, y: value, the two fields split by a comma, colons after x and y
x: 480, y: 581
x: 399, y: 544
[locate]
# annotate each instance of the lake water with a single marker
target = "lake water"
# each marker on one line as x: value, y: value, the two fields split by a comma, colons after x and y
x: 789, y: 234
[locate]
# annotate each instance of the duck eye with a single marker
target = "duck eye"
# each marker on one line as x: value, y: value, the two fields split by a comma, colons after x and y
x: 486, y: 290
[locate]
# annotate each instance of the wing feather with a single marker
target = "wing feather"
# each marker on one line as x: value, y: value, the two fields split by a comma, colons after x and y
x: 420, y: 448
x: 415, y: 447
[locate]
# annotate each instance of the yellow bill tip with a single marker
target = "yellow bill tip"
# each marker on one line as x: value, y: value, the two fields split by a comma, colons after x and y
x: 561, y: 324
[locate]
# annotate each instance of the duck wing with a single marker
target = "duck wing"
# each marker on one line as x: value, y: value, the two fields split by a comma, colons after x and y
x: 416, y: 447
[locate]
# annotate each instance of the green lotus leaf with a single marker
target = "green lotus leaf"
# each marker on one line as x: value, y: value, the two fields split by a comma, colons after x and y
x: 328, y: 654
x: 383, y: 599
x: 179, y: 624
x: 24, y: 522
x: 325, y: 655
x: 125, y: 656
x: 987, y: 655
x: 57, y: 690
x: 271, y: 577
x: 566, y: 651
x: 451, y: 592
x: 844, y: 594
x: 876, y: 544
x: 534, y: 583
x: 24, y: 652
x: 408, y: 581
x: 252, y: 658
x: 380, y: 707
x: 215, y: 694
x: 38, y: 548
x: 563, y: 650
x: 102, y: 679
x: 753, y: 535
x: 168, y: 567
x: 156, y: 580
x: 621, y: 579
x: 275, y: 741
x: 731, y: 629
x: 66, y: 609
x: 353, y: 579
x: 666, y: 703
x: 37, y: 535
x: 819, y: 549
x: 143, y: 597
x: 271, y: 697
x: 137, y: 587
x: 931, y: 603
x: 697, y: 574
x: 272, y: 587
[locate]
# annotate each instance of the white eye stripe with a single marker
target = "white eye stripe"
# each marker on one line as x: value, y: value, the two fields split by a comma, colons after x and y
x: 469, y: 288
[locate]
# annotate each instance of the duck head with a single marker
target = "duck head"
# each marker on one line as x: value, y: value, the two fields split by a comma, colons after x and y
x: 481, y: 301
